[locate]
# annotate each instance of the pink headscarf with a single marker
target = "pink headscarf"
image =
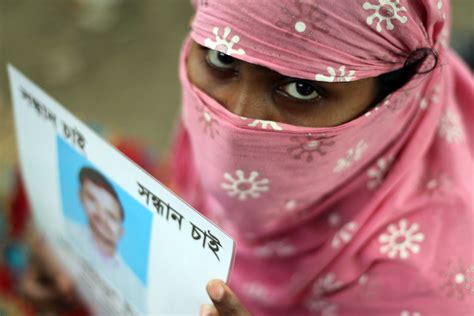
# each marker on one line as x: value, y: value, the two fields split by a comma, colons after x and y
x: 372, y: 217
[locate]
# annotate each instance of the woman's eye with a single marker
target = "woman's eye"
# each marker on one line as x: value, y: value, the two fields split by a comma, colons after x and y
x: 300, y: 90
x: 220, y: 60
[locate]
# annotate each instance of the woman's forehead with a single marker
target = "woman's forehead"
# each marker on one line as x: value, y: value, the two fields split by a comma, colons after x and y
x: 272, y: 74
x: 331, y: 41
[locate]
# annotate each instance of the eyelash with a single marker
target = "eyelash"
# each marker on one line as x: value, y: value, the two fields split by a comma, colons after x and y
x: 279, y: 88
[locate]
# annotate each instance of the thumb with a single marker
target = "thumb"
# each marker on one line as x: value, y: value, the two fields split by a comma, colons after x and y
x: 64, y: 283
x: 225, y: 300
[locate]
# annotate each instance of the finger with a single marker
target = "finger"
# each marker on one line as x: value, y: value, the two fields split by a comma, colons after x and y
x: 34, y: 289
x: 208, y: 310
x: 42, y: 292
x: 225, y: 301
x: 53, y: 269
x: 64, y: 284
x: 45, y: 282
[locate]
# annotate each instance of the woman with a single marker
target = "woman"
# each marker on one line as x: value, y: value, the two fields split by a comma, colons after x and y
x: 343, y: 178
x: 330, y: 140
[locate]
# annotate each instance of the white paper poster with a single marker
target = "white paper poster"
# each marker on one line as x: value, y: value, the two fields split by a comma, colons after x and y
x: 131, y: 245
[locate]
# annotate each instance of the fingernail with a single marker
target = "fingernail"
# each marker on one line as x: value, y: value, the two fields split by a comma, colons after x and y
x: 65, y: 285
x: 216, y: 290
x: 206, y: 310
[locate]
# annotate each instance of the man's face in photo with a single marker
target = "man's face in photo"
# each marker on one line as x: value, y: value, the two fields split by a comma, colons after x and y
x: 104, y: 215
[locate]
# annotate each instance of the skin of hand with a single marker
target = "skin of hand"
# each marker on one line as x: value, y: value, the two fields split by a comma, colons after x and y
x: 225, y: 301
x: 45, y: 283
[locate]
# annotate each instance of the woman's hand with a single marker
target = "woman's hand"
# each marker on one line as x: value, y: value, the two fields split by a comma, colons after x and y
x: 225, y: 301
x: 45, y: 283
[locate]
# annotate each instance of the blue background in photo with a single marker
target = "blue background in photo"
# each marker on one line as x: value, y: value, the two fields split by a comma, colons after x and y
x: 134, y: 244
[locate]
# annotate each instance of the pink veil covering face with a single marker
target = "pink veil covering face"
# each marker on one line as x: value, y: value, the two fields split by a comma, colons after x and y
x: 393, y: 237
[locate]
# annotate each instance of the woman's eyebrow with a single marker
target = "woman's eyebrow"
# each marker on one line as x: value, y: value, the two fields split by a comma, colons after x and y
x: 264, y: 69
x: 268, y: 71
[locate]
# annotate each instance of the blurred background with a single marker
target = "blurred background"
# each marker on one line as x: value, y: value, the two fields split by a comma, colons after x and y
x: 113, y: 63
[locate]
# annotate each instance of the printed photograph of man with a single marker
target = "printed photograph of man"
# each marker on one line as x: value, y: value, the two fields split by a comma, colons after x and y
x: 104, y: 211
x: 98, y: 238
